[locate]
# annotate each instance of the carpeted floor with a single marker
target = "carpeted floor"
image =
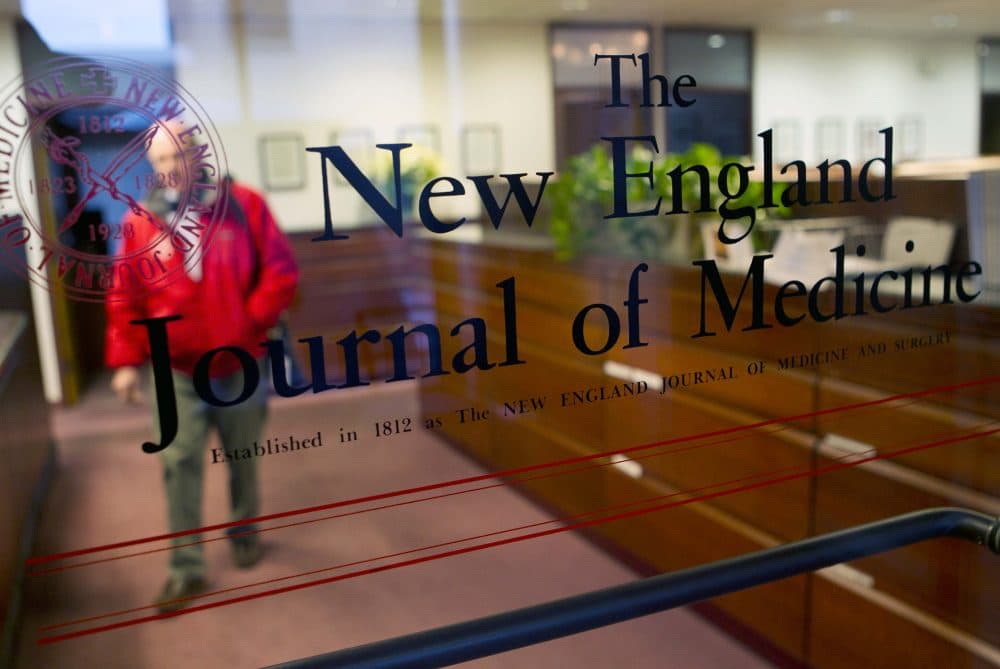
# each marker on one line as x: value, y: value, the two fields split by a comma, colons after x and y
x: 106, y: 490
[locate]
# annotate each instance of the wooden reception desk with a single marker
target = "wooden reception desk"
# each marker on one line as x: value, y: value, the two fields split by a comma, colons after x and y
x: 930, y: 605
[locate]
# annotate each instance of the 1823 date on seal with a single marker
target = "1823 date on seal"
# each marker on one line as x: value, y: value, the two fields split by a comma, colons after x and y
x: 75, y: 129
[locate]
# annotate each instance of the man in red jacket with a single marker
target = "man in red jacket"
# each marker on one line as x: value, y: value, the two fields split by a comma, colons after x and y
x: 229, y: 293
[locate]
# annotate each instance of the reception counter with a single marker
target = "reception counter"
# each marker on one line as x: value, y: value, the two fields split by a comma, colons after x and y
x: 760, y: 437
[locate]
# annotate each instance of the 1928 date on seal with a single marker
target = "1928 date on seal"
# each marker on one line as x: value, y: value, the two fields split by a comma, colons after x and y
x: 76, y: 129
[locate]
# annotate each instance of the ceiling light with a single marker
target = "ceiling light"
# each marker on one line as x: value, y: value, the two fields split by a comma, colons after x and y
x: 716, y: 41
x: 837, y: 15
x: 944, y: 21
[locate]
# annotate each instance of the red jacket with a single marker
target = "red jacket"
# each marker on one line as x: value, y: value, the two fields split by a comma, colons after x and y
x: 248, y: 279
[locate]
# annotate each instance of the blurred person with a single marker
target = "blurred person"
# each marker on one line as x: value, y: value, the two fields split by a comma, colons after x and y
x: 231, y: 296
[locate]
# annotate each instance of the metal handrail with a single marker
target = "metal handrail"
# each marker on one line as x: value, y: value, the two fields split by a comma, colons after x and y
x: 473, y: 639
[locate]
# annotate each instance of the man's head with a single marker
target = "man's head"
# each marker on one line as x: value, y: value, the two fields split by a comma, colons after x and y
x: 168, y: 155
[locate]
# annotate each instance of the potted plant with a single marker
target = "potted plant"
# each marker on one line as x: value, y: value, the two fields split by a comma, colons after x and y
x: 417, y: 166
x: 583, y: 195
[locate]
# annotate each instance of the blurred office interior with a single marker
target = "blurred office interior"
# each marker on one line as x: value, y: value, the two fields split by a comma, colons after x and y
x: 513, y: 88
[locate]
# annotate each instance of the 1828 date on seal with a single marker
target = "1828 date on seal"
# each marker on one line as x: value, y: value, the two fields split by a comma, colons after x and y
x: 74, y: 132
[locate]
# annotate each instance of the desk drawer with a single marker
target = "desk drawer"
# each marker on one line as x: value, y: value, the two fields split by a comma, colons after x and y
x: 851, y: 627
x: 703, y: 466
x: 949, y: 579
x: 694, y: 534
x: 900, y: 424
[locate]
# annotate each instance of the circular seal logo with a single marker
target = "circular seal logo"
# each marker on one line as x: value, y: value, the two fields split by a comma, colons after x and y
x: 112, y: 178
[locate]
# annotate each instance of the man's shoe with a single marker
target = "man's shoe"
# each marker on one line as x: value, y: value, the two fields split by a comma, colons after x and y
x: 176, y: 592
x: 246, y: 552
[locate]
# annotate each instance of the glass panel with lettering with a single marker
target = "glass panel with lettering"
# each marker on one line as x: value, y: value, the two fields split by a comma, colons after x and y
x: 323, y: 323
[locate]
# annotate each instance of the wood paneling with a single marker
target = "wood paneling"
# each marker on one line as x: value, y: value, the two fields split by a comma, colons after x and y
x: 950, y: 579
x: 917, y: 422
x: 852, y: 627
x: 706, y: 466
x: 372, y: 280
x: 694, y: 534
x: 928, y: 605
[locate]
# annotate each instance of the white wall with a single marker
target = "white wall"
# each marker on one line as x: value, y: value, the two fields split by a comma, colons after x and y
x: 318, y: 77
x: 504, y: 77
x: 807, y: 77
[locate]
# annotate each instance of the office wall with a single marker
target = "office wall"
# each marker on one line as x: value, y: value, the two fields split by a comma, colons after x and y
x: 808, y: 77
x: 25, y: 327
x: 317, y: 78
x: 10, y: 69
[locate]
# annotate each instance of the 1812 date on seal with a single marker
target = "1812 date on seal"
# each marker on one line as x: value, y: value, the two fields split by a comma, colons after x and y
x: 76, y: 129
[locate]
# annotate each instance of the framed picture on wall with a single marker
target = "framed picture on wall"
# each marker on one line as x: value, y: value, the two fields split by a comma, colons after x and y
x: 869, y: 141
x: 359, y: 145
x: 787, y: 140
x: 831, y: 139
x: 421, y: 134
x: 481, y: 148
x: 282, y: 161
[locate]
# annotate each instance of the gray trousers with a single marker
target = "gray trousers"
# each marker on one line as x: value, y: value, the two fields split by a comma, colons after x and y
x: 183, y: 461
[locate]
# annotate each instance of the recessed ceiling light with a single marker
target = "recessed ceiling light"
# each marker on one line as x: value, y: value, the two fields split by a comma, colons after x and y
x: 558, y: 50
x: 716, y: 41
x: 639, y: 39
x: 944, y: 21
x: 837, y: 15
